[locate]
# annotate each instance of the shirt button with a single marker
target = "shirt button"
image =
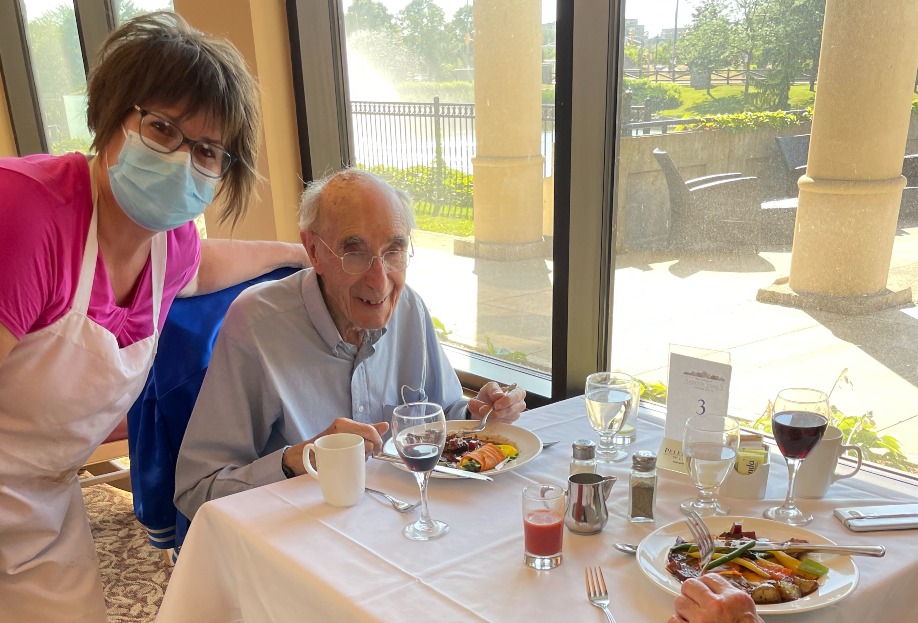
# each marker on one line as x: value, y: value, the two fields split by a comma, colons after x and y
x: 360, y: 408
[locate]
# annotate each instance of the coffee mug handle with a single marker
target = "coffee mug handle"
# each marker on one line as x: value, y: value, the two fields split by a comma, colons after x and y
x: 860, y: 459
x: 311, y: 447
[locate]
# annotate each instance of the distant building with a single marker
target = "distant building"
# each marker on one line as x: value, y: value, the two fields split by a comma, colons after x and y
x: 634, y: 30
x: 667, y: 33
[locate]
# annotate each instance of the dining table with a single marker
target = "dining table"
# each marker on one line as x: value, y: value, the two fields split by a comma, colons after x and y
x: 280, y: 553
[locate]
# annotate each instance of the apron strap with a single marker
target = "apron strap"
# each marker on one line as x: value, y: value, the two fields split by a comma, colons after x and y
x: 90, y: 257
x: 158, y: 261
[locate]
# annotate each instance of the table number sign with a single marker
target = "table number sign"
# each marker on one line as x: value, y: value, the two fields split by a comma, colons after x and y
x: 699, y: 384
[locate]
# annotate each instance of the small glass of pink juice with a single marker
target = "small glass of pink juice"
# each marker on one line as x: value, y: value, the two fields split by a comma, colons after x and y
x: 543, y: 525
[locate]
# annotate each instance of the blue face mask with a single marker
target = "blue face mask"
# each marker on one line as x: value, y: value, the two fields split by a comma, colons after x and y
x: 158, y: 191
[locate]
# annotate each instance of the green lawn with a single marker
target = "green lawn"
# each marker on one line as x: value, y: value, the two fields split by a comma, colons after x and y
x: 729, y: 100
x: 444, y: 224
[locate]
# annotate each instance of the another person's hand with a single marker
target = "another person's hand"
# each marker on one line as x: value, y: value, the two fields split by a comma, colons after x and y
x: 712, y: 599
x: 507, y: 407
x: 372, y: 441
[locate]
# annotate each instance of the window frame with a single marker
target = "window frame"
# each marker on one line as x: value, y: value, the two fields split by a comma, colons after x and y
x: 581, y: 323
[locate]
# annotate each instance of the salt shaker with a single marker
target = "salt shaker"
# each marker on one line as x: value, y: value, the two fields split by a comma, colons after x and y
x: 584, y: 457
x: 642, y: 489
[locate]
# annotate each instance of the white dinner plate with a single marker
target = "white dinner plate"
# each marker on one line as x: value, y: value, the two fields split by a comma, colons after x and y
x: 523, y: 440
x: 834, y: 586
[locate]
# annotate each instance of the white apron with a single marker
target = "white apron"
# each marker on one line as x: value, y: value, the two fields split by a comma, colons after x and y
x: 63, y: 389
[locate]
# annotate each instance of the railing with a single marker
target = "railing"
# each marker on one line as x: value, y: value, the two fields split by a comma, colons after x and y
x: 718, y: 76
x: 427, y: 148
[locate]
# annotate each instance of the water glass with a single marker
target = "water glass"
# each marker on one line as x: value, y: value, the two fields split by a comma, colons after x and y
x: 798, y: 423
x: 709, y: 445
x: 419, y: 434
x: 609, y: 397
x: 543, y: 525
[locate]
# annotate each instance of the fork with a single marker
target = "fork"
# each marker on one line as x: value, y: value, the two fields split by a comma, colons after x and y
x: 596, y: 590
x: 484, y: 420
x: 402, y: 507
x: 703, y: 539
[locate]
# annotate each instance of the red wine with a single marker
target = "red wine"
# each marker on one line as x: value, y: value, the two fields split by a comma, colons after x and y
x: 420, y: 457
x: 798, y: 432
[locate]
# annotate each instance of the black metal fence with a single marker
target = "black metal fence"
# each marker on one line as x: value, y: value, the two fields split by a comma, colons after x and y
x: 427, y: 149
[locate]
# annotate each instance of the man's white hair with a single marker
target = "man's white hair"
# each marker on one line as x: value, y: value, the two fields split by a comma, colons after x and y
x: 311, y: 201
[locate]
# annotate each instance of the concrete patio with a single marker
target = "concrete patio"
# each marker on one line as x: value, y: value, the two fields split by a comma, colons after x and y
x: 701, y: 300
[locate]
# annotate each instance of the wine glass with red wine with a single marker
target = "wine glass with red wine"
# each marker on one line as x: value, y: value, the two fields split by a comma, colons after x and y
x: 419, y: 433
x: 798, y: 424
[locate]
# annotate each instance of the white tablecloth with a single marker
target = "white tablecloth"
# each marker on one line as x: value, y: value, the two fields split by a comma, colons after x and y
x: 279, y: 553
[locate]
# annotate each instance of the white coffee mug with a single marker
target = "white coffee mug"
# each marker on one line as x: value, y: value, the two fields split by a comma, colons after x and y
x: 341, y: 463
x: 818, y: 470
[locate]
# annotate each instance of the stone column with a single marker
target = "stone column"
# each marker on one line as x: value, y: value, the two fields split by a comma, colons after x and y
x: 508, y: 121
x: 259, y: 31
x: 849, y: 197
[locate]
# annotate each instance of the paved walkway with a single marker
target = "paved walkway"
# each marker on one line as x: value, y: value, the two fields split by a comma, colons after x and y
x: 704, y: 301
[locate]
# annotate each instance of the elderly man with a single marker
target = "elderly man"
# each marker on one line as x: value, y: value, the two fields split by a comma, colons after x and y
x: 327, y: 350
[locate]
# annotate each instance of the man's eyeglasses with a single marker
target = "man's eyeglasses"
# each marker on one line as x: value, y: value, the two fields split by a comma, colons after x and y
x: 162, y: 135
x: 359, y: 262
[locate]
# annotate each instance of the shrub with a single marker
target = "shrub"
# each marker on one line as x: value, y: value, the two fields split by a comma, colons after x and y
x: 453, y: 188
x: 662, y: 95
x: 744, y: 121
x: 915, y: 107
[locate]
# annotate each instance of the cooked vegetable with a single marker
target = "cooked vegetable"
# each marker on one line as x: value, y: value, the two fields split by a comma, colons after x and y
x: 484, y: 458
x: 748, y: 564
x: 806, y: 586
x: 509, y: 451
x: 810, y: 566
x: 766, y: 593
x: 793, y: 564
x: 776, y: 571
x: 789, y: 591
x: 731, y: 556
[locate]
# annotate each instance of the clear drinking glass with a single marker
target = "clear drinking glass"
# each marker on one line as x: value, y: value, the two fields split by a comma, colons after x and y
x: 543, y: 525
x: 798, y: 424
x: 609, y: 396
x: 709, y: 446
x: 419, y: 433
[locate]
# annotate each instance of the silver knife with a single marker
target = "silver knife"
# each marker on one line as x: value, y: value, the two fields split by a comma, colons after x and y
x: 877, y: 551
x: 439, y: 468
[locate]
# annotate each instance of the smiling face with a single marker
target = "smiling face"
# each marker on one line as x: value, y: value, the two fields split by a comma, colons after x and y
x: 357, y: 215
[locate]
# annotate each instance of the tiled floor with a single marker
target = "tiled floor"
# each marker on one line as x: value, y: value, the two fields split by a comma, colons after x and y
x: 705, y: 301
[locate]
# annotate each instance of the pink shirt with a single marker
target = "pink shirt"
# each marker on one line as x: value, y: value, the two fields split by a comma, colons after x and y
x: 45, y: 210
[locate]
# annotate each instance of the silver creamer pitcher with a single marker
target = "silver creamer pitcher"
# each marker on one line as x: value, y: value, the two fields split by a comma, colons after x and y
x: 585, y: 511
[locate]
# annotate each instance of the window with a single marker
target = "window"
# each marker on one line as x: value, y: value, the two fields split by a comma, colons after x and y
x: 126, y: 9
x: 715, y: 213
x: 453, y: 102
x: 57, y: 64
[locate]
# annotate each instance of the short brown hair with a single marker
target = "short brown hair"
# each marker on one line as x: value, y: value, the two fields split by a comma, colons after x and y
x: 158, y: 59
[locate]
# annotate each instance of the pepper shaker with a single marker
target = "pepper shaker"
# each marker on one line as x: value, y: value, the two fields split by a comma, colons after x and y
x: 584, y: 457
x: 642, y: 490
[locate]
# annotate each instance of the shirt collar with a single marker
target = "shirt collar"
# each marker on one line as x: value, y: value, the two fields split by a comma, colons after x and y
x: 321, y: 318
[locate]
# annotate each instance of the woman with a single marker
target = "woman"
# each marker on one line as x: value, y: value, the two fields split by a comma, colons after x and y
x: 92, y: 253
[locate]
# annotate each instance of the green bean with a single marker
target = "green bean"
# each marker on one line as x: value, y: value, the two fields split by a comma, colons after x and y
x: 734, y: 554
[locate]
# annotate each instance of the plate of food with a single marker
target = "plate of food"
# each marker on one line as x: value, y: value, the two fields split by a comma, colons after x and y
x: 779, y: 583
x: 498, y: 448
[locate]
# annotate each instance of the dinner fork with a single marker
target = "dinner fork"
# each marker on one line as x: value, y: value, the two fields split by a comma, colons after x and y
x: 596, y: 590
x: 484, y: 420
x: 703, y: 539
x: 402, y: 507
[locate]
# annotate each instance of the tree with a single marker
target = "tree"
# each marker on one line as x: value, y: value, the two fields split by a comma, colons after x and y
x: 423, y: 27
x: 367, y: 15
x: 792, y: 36
x: 708, y: 44
x: 747, y: 33
x: 463, y: 34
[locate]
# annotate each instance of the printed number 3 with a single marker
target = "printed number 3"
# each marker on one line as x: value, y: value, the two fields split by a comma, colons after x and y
x: 701, y: 407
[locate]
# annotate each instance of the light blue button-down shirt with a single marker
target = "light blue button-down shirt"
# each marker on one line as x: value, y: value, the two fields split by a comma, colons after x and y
x: 281, y: 373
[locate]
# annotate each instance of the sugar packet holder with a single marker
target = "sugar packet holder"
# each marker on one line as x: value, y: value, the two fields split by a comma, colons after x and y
x: 749, y: 478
